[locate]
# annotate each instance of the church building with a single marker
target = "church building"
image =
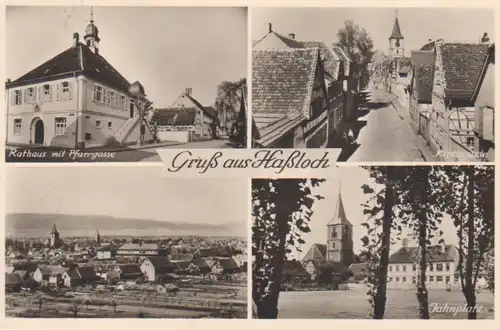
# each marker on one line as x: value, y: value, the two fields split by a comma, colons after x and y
x: 76, y: 99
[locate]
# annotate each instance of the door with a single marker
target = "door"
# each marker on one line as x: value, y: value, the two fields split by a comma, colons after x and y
x: 39, y: 132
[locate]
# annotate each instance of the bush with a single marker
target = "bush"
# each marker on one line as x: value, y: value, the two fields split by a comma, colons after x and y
x: 111, y: 142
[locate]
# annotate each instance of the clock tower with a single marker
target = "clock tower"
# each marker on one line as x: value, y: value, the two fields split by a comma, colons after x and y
x: 339, y: 247
x: 396, y: 40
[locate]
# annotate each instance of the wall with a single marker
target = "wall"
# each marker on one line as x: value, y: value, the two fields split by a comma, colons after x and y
x: 91, y: 106
x: 178, y: 136
x: 134, y: 137
x: 99, y: 136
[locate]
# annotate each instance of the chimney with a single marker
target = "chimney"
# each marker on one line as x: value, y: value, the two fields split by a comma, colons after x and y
x: 485, y: 39
x: 269, y: 28
x: 291, y: 35
x: 76, y: 39
x: 188, y: 91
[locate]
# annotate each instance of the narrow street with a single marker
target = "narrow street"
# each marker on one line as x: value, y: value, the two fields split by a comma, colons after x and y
x: 382, y: 133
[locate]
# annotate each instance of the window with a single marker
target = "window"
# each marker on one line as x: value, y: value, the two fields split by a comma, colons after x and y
x: 104, y: 95
x: 404, y: 268
x: 65, y: 91
x: 470, y: 142
x: 17, y: 98
x: 60, y: 126
x: 131, y: 105
x: 98, y: 124
x: 439, y: 267
x: 431, y: 279
x: 334, y: 233
x: 413, y: 280
x: 390, y: 268
x: 447, y: 279
x: 110, y: 125
x: 439, y: 279
x: 17, y: 126
x: 447, y: 267
x: 404, y: 279
x: 390, y: 279
x: 455, y: 279
x: 97, y: 93
x: 47, y: 93
x: 397, y: 268
x: 30, y: 95
x: 431, y: 267
x: 397, y: 279
x: 414, y: 268
x: 123, y: 102
x: 333, y: 245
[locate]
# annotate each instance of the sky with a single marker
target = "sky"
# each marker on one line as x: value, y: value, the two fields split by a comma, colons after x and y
x: 167, y: 49
x: 351, y: 179
x: 418, y: 25
x: 130, y: 192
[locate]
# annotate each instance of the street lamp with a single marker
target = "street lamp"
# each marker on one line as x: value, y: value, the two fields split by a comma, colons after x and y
x: 137, y: 92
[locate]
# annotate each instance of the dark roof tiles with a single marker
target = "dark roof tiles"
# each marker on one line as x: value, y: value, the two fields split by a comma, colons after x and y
x: 424, y: 83
x: 462, y: 65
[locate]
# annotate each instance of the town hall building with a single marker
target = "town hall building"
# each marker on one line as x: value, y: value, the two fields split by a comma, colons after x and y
x: 75, y: 99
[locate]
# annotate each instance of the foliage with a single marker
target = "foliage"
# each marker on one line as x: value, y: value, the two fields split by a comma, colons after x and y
x: 227, y: 101
x: 281, y: 210
x: 469, y: 199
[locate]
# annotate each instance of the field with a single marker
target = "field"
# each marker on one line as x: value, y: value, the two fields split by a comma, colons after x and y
x: 353, y: 304
x: 196, y: 302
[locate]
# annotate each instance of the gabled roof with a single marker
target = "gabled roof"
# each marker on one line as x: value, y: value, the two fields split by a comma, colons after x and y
x: 228, y: 264
x: 209, y: 111
x: 461, y: 64
x: 161, y: 264
x: 175, y: 116
x: 282, y: 83
x: 486, y: 83
x: 294, y: 268
x: 316, y: 252
x: 339, y: 217
x: 201, y: 263
x: 437, y: 254
x: 423, y: 83
x: 344, y: 58
x: 52, y: 270
x: 130, y: 269
x: 75, y: 60
x: 331, y: 60
x: 359, y: 268
x: 207, y: 252
x: 13, y: 279
x: 405, y: 255
x: 422, y: 58
x: 181, y: 265
x: 396, y: 31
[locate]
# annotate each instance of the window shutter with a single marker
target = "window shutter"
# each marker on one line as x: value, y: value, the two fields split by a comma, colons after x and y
x: 24, y: 95
x: 13, y: 97
x: 50, y: 92
x: 58, y: 92
x: 40, y: 94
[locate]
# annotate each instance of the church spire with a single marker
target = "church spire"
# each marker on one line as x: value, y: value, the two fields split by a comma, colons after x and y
x: 92, y: 34
x: 396, y: 30
x: 54, y: 228
x: 339, y: 217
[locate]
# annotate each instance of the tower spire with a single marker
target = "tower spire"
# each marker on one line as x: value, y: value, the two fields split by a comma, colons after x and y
x: 91, y: 14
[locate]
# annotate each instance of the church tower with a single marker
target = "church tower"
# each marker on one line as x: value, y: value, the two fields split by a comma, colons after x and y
x: 55, y: 240
x: 98, y: 237
x: 339, y: 240
x: 92, y: 34
x: 396, y: 46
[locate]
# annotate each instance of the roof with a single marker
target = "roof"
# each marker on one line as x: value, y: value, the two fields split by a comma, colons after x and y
x: 87, y: 272
x: 161, y: 264
x: 316, y: 252
x: 48, y: 270
x: 200, y: 262
x: 343, y: 57
x: 294, y: 268
x: 424, y: 83
x: 268, y: 127
x: 228, y: 264
x: 282, y: 80
x: 181, y: 256
x: 335, y: 267
x: 405, y: 255
x: 130, y: 269
x: 54, y: 229
x: 331, y: 60
x: 422, y: 58
x: 75, y: 60
x: 339, y: 217
x: 133, y: 246
x: 206, y: 110
x: 12, y: 279
x: 396, y: 31
x: 208, y: 252
x: 175, y: 116
x: 182, y: 264
x: 462, y: 65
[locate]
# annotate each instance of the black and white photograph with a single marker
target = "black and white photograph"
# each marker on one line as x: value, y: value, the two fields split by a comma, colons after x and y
x: 381, y: 84
x: 103, y: 242
x: 379, y: 242
x: 100, y: 84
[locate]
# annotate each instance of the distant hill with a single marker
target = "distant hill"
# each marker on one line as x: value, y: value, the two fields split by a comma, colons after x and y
x: 40, y: 225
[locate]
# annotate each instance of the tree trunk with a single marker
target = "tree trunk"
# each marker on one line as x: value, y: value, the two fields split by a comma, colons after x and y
x: 422, y: 293
x: 469, y: 290
x: 381, y: 291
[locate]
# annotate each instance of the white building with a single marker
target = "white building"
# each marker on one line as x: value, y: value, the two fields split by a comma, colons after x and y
x: 75, y: 99
x: 404, y: 269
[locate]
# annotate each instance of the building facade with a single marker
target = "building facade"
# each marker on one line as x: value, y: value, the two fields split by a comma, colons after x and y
x: 76, y: 99
x: 339, y: 236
